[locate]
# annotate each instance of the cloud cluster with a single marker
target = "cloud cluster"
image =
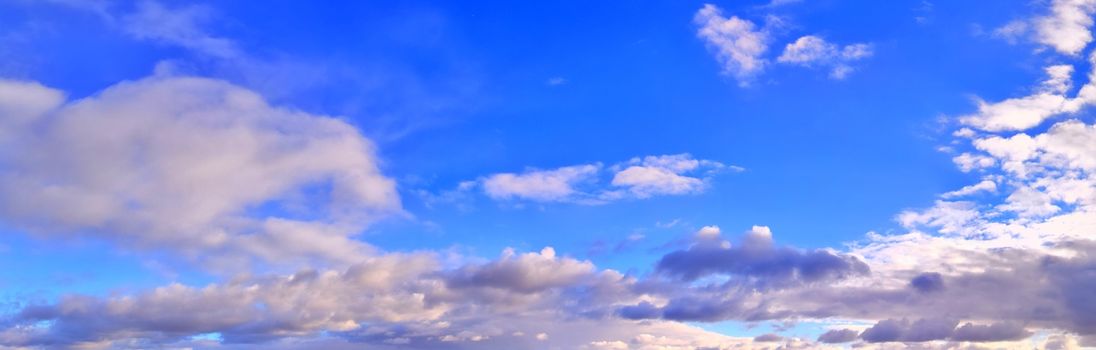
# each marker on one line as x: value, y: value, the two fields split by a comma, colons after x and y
x: 994, y: 272
x: 188, y: 164
x: 183, y: 163
x: 813, y: 51
x: 740, y: 46
x: 757, y: 258
x: 1050, y: 99
x: 737, y: 43
x: 1066, y: 28
x: 638, y: 178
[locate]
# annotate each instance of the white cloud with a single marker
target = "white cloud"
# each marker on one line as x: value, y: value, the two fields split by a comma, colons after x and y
x: 1049, y: 99
x: 737, y: 43
x: 983, y: 186
x: 540, y: 185
x: 181, y: 162
x: 662, y: 175
x: 21, y: 102
x: 811, y: 50
x: 639, y: 178
x: 1066, y: 29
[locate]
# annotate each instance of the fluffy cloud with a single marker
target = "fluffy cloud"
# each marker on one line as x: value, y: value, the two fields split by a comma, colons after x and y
x: 662, y: 175
x: 1022, y: 113
x: 737, y: 43
x: 184, y: 162
x: 639, y: 178
x: 539, y: 185
x: 811, y: 50
x: 1066, y: 29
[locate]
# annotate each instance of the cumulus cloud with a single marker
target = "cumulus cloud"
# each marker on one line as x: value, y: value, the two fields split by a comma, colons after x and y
x: 814, y: 51
x: 181, y: 162
x: 662, y: 175
x: 1048, y: 100
x: 1066, y: 28
x: 738, y: 44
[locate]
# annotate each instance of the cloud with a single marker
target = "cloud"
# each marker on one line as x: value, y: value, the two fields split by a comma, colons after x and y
x: 1023, y: 113
x: 902, y: 330
x: 556, y: 81
x: 928, y: 282
x: 638, y: 178
x: 838, y: 336
x: 924, y: 330
x: 738, y: 44
x: 983, y: 186
x: 758, y: 258
x: 399, y: 300
x: 986, y: 333
x: 527, y: 273
x: 1066, y: 29
x: 539, y: 185
x: 662, y: 175
x: 813, y: 51
x: 182, y: 26
x: 21, y: 102
x: 768, y: 338
x: 182, y: 162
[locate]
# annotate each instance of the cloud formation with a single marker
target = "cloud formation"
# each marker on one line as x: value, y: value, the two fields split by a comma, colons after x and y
x: 757, y: 258
x: 638, y: 178
x: 180, y: 162
x: 738, y: 44
x: 813, y: 51
x: 1066, y: 27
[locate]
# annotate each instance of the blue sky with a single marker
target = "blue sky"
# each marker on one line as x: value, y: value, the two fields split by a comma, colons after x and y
x: 703, y: 173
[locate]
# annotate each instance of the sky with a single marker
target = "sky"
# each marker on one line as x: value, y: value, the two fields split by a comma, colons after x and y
x: 768, y: 174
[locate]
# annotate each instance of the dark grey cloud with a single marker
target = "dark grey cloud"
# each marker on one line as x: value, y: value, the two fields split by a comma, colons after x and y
x: 699, y: 309
x: 923, y: 330
x: 838, y: 336
x: 928, y: 282
x: 759, y: 261
x: 768, y: 338
x: 643, y: 310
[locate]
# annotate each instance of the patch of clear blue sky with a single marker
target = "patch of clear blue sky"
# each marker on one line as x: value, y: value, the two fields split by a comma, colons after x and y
x: 455, y: 90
